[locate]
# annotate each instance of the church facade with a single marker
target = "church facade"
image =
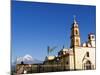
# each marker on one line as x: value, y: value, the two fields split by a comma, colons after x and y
x: 80, y: 56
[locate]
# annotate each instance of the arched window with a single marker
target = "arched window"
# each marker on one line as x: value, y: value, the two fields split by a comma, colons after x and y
x: 92, y: 37
x: 76, y: 32
x: 89, y: 37
x: 87, y: 54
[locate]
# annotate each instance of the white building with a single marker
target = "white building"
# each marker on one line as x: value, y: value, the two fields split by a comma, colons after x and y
x: 79, y: 56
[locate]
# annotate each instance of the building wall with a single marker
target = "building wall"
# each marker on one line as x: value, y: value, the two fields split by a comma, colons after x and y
x: 80, y: 56
x: 71, y: 62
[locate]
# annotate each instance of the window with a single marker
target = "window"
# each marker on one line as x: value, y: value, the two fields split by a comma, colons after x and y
x: 87, y: 54
x: 89, y: 37
x: 92, y: 37
x: 67, y: 62
x: 76, y: 32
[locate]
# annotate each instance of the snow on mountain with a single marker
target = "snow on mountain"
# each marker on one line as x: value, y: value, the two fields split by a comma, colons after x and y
x: 27, y: 59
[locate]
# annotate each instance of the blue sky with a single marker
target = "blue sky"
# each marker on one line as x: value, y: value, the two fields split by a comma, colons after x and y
x: 36, y: 25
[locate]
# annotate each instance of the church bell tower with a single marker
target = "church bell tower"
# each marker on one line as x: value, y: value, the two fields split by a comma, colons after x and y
x: 75, y: 35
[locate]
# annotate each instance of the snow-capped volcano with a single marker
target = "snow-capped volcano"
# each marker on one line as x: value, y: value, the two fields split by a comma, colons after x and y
x: 27, y: 59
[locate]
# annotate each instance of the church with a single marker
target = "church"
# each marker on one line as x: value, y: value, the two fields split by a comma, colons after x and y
x: 80, y: 56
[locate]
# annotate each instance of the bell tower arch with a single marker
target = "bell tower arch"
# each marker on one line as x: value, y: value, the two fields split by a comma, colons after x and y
x: 75, y: 35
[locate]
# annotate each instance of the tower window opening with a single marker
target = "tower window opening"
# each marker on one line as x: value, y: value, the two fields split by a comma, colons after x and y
x: 67, y: 62
x: 92, y: 37
x: 89, y: 37
x: 76, y: 32
x: 87, y: 54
